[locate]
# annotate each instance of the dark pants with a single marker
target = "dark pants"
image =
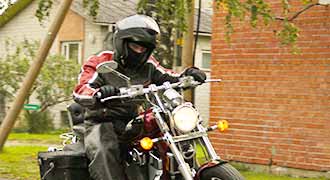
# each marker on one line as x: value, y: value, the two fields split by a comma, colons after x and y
x: 104, y: 152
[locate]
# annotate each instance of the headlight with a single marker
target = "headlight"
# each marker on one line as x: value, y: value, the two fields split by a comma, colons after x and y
x: 185, y: 118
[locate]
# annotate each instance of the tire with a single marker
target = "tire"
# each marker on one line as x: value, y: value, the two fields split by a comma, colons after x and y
x: 221, y: 172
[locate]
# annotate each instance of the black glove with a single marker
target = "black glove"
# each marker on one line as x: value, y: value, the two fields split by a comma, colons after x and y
x: 196, y: 73
x: 107, y: 91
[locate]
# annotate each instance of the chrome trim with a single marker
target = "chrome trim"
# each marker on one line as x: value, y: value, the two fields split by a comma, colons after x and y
x: 155, y: 161
x: 189, y: 136
x: 208, y: 144
x: 182, y: 165
x: 155, y: 167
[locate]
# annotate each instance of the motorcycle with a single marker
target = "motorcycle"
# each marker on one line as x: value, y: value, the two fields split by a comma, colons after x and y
x: 167, y: 140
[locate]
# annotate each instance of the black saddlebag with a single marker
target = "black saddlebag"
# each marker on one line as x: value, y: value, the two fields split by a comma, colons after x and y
x: 63, y: 165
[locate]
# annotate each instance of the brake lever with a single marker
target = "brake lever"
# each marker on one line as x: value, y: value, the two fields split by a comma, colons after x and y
x: 212, y: 80
x: 113, y: 97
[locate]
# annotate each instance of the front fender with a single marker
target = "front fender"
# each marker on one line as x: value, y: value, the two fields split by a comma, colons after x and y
x: 207, y: 165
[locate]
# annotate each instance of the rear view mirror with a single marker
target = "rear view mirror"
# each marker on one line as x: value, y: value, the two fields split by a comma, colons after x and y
x: 107, y: 67
x: 110, y: 67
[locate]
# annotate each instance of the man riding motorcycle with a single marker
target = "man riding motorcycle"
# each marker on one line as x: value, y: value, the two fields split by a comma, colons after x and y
x: 134, y: 41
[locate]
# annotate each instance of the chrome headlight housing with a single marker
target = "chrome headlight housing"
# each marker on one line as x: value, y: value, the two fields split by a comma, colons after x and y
x: 185, y: 118
x: 173, y: 98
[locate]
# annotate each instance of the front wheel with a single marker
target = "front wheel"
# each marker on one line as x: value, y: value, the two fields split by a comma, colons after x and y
x: 221, y: 172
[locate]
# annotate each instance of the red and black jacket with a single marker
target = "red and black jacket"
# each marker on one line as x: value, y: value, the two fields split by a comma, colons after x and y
x: 89, y: 82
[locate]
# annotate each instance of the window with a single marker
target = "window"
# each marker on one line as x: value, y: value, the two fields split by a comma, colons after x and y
x: 72, y: 50
x: 206, y: 59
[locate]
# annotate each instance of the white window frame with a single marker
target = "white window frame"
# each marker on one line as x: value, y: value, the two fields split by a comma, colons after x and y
x: 65, y: 51
x: 201, y: 65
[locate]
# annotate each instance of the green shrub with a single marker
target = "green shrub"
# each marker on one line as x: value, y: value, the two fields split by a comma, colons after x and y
x: 38, y: 122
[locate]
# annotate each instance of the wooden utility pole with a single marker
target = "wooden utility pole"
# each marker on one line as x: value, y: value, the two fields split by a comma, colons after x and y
x: 33, y: 72
x: 188, y: 44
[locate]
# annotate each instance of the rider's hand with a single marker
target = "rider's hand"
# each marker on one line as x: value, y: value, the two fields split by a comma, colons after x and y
x: 196, y: 73
x: 108, y: 90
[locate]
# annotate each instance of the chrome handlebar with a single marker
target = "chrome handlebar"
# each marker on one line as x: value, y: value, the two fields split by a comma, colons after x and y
x: 137, y: 90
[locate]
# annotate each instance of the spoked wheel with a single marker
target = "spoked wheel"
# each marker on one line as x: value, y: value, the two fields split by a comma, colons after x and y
x: 221, y: 172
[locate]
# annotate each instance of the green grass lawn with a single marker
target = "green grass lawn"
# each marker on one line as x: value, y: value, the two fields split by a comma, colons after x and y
x: 35, y: 138
x: 263, y: 176
x: 19, y: 162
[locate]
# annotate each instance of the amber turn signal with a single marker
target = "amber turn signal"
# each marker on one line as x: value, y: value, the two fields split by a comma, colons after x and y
x: 146, y: 143
x: 223, y: 125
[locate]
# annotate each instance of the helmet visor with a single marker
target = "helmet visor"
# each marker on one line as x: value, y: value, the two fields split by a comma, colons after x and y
x: 136, y: 47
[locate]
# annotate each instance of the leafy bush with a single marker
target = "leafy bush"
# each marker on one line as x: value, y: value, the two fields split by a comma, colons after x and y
x: 53, y: 86
x: 38, y: 121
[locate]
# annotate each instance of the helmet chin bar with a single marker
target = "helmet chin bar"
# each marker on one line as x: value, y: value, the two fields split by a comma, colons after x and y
x: 135, y: 60
x: 130, y: 59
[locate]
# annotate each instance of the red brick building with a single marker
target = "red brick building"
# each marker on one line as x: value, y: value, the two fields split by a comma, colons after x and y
x: 277, y: 103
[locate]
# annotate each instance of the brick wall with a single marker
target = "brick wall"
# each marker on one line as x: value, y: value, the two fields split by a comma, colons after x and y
x: 277, y: 103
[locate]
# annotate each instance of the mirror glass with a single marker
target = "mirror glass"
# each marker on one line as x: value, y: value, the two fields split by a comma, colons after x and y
x: 107, y: 67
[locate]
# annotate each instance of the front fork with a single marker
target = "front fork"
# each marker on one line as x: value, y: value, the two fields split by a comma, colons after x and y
x: 213, y: 155
x: 168, y: 138
x: 184, y: 168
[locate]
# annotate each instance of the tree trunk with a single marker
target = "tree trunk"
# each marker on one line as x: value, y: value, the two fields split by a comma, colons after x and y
x: 2, y: 107
x: 188, y: 44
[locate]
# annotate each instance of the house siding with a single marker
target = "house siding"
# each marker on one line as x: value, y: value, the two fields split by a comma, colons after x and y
x: 94, y: 37
x: 25, y: 26
x: 202, y: 101
x: 72, y: 28
x: 202, y: 93
x: 277, y: 103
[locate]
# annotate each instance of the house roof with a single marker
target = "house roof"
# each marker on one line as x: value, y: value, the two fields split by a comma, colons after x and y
x: 110, y: 11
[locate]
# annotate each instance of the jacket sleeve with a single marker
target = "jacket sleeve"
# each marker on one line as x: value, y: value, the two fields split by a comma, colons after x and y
x: 159, y: 74
x: 89, y: 83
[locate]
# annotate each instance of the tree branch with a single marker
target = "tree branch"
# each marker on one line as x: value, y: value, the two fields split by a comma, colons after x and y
x: 48, y: 104
x: 298, y: 13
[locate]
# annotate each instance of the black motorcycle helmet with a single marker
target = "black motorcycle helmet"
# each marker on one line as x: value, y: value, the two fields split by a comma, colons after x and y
x: 139, y: 30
